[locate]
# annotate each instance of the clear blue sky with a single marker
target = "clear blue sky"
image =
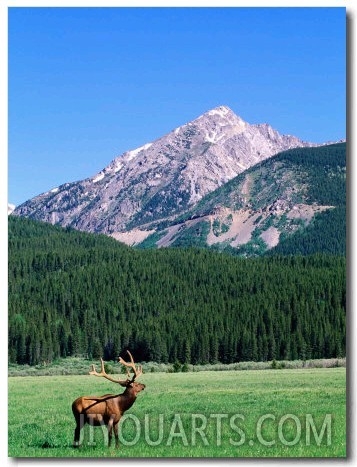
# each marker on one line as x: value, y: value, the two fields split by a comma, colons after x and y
x: 87, y: 84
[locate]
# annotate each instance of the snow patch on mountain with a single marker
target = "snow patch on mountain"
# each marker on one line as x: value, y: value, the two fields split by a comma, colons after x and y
x: 98, y: 178
x: 213, y: 137
x: 132, y: 154
x: 222, y: 111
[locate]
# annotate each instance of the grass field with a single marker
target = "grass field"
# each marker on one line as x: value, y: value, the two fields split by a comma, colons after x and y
x: 269, y: 413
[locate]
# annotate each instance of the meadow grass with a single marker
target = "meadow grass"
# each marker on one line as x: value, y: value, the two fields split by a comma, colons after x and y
x: 257, y: 413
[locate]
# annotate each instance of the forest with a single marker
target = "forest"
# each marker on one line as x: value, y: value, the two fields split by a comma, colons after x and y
x: 74, y: 293
x: 313, y: 176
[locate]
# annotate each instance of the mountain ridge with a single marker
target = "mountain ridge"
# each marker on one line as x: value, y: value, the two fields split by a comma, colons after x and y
x: 162, y: 178
x: 297, y: 192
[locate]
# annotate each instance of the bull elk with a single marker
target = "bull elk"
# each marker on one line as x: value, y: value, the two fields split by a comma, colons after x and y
x: 108, y: 409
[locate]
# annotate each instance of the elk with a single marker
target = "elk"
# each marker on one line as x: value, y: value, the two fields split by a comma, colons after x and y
x: 108, y: 409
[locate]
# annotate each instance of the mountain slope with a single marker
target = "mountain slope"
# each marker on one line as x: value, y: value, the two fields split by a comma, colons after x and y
x: 162, y: 179
x: 298, y: 195
x: 74, y: 293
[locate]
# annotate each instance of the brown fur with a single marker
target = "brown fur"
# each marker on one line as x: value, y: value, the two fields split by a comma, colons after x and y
x: 108, y: 409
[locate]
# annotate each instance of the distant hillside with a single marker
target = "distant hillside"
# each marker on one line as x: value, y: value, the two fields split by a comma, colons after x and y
x: 291, y: 203
x: 74, y: 293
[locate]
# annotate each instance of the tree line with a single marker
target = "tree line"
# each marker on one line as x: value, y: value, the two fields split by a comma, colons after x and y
x: 73, y: 293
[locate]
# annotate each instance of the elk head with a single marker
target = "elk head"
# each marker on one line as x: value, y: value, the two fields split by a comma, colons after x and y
x: 128, y: 382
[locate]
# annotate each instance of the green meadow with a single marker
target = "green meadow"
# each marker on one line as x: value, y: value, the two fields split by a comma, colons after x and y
x: 255, y: 413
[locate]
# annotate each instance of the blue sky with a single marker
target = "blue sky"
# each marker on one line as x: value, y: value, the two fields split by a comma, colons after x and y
x: 87, y: 84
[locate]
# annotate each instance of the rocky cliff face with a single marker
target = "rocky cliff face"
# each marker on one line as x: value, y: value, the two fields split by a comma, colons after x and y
x: 161, y: 179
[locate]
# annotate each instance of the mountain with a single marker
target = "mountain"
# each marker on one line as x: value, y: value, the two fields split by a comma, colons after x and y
x: 162, y: 179
x: 293, y: 202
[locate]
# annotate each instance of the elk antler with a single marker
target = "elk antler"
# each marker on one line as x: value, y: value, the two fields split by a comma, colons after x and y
x: 104, y: 374
x: 137, y: 370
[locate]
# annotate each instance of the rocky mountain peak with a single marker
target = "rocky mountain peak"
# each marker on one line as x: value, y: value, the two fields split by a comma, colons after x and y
x: 163, y: 178
x: 218, y: 124
x: 221, y: 113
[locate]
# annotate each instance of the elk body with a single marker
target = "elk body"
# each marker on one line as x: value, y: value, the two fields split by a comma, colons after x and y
x: 109, y: 408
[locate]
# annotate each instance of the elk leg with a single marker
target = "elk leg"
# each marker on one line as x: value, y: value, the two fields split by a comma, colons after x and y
x: 116, y: 435
x: 80, y: 422
x: 77, y: 434
x: 110, y: 432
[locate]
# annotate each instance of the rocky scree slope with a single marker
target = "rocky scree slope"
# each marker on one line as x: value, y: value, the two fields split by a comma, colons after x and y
x: 268, y: 203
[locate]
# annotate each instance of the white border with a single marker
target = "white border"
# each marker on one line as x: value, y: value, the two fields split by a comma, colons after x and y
x: 4, y: 4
